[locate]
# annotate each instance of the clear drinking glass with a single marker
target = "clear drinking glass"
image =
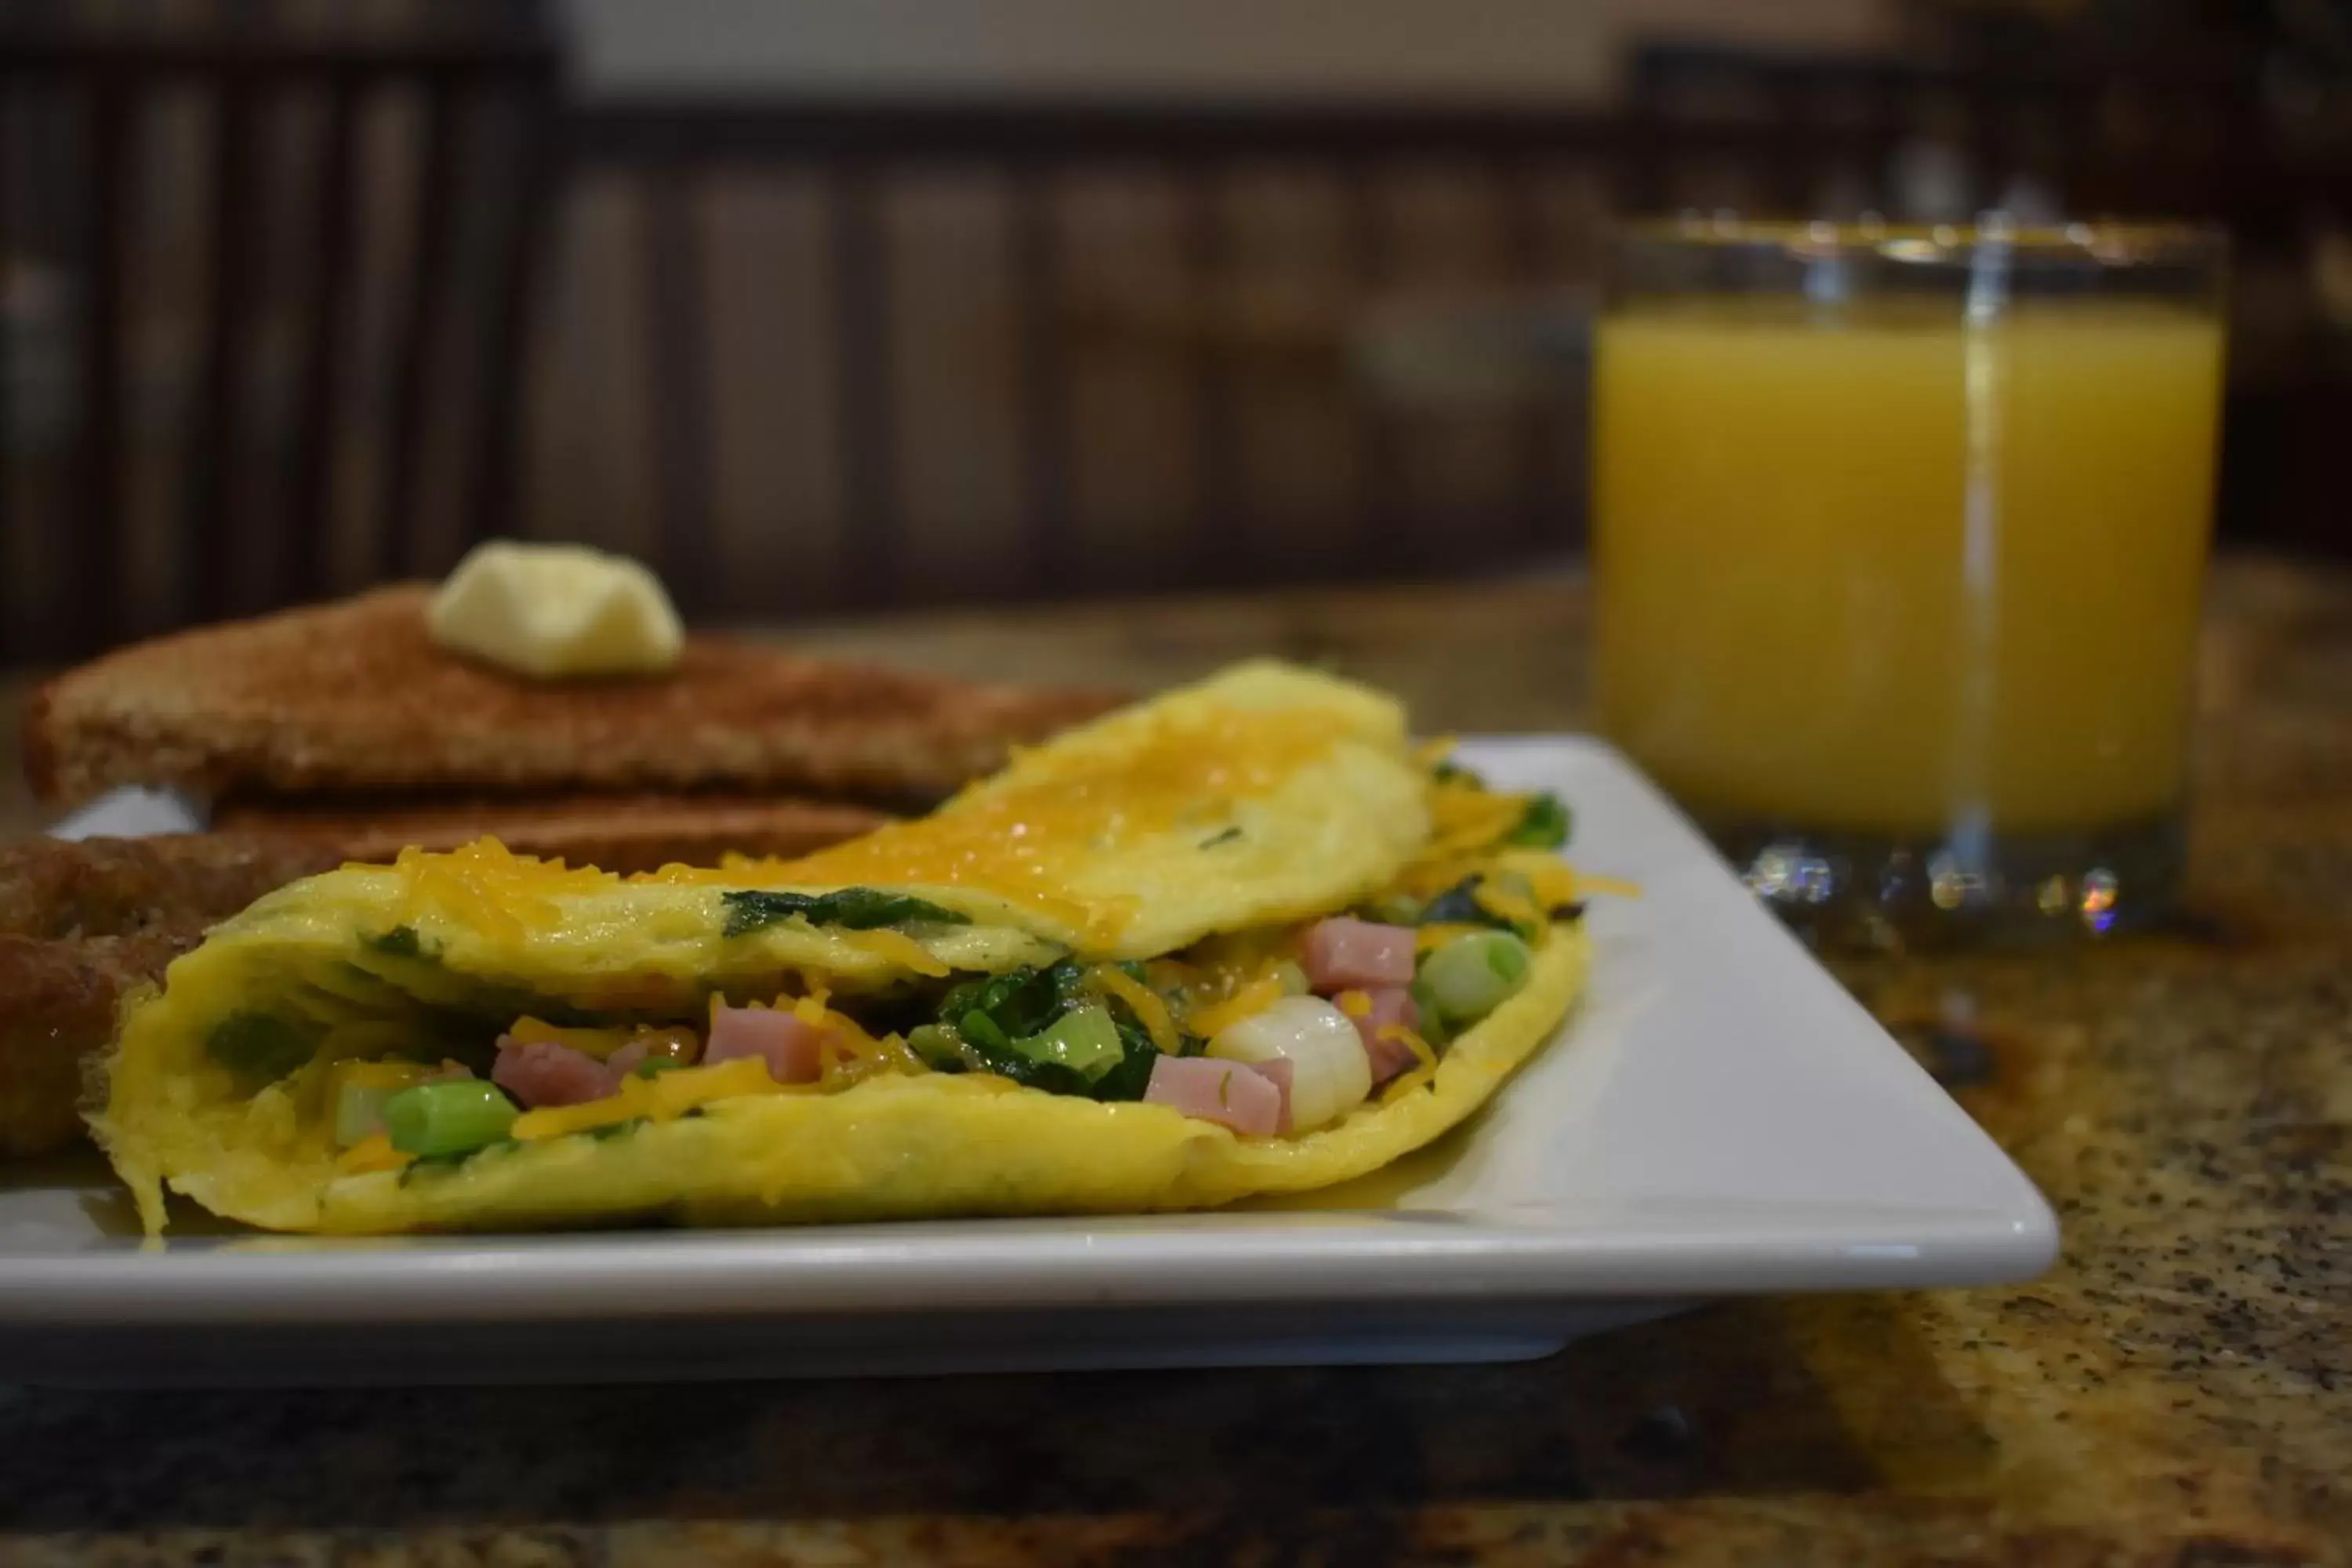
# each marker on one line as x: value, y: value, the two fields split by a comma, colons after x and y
x: 1899, y: 538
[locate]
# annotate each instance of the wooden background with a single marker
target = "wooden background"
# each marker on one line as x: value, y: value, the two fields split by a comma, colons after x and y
x: 291, y: 309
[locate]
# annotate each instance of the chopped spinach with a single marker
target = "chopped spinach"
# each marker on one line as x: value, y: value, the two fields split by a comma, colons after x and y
x: 400, y: 942
x: 1082, y: 1039
x: 1227, y: 837
x: 1006, y: 1061
x: 1132, y: 1074
x: 1545, y: 825
x: 1010, y: 1006
x: 1455, y: 773
x: 453, y: 1036
x: 1006, y: 1021
x: 1459, y: 905
x: 259, y: 1044
x: 853, y: 909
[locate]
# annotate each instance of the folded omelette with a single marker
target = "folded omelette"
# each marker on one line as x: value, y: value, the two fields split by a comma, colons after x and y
x: 1242, y: 939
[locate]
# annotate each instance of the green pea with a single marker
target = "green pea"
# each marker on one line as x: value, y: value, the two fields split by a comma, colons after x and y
x: 455, y: 1116
x: 1471, y: 975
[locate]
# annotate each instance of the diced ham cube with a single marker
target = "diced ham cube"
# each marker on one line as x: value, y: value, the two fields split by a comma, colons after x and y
x: 1344, y: 953
x: 1279, y: 1073
x: 1391, y: 1008
x: 1211, y: 1090
x: 794, y: 1048
x: 540, y: 1072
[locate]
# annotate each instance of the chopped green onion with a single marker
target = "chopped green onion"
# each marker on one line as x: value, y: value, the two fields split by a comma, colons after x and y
x: 1084, y: 1039
x: 1545, y: 825
x: 1433, y: 1023
x: 939, y: 1045
x: 359, y: 1111
x: 455, y: 1116
x: 654, y: 1066
x: 1473, y: 974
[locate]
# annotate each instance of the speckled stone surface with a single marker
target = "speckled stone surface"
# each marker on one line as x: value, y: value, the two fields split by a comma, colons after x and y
x: 2177, y: 1390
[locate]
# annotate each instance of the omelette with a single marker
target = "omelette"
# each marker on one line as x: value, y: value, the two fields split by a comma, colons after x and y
x: 1241, y: 938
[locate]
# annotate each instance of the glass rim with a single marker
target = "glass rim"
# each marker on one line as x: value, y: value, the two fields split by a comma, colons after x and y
x: 2102, y: 244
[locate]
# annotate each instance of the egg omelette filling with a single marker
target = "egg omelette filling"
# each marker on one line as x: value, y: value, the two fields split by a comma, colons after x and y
x: 1239, y: 939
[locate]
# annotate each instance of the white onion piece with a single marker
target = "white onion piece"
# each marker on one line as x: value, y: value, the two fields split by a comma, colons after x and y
x: 1330, y: 1075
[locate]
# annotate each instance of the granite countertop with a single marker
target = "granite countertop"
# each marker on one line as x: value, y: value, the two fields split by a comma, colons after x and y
x: 2178, y: 1390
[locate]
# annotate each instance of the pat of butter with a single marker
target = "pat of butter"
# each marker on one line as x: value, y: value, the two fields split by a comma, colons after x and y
x: 552, y: 610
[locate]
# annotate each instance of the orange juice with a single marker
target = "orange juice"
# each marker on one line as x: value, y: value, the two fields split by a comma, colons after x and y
x: 1882, y: 571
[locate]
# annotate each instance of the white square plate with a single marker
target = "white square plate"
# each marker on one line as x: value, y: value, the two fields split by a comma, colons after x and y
x: 1717, y: 1117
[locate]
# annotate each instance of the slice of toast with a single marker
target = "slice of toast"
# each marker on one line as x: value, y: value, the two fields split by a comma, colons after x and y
x: 354, y: 696
x: 618, y: 833
x: 84, y: 924
x: 57, y: 890
x: 57, y: 1006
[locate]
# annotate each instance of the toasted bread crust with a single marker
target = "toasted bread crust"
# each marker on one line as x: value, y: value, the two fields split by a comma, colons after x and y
x: 615, y: 833
x: 80, y: 925
x: 355, y: 696
x: 61, y: 1002
x: 57, y: 890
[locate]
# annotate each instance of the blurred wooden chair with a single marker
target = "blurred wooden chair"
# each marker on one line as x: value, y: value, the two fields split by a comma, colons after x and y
x: 1234, y: 345
x: 363, y: 210
x: 1228, y: 338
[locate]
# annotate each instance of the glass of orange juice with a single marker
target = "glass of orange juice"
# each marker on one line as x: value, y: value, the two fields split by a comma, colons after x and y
x: 1899, y: 536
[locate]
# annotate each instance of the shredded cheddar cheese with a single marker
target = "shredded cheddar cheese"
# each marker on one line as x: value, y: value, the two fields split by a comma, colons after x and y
x: 896, y: 947
x: 1507, y: 904
x: 1412, y: 1041
x: 663, y: 1098
x: 1430, y: 938
x: 487, y: 887
x: 1465, y: 816
x: 373, y: 1152
x: 1251, y: 1000
x: 1148, y: 1009
x: 1031, y: 831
